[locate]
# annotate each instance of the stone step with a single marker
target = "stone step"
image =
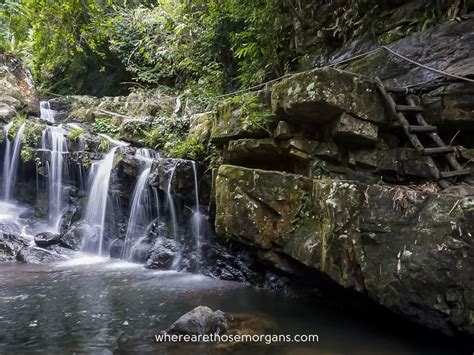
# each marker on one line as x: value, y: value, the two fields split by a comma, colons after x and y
x: 408, y: 108
x: 438, y: 150
x: 454, y: 173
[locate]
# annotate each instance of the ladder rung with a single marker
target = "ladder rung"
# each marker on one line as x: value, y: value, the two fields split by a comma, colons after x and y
x: 439, y: 150
x: 408, y: 108
x: 397, y: 90
x: 415, y: 129
x: 450, y: 174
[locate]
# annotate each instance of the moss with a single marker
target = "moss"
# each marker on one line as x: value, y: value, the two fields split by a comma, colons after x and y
x: 33, y: 133
x: 17, y: 122
x: 26, y: 154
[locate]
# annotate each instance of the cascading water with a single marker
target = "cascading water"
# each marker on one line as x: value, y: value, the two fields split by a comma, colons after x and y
x: 197, y: 218
x: 11, y: 160
x: 174, y: 217
x: 96, y: 207
x: 54, y: 140
x: 46, y: 112
x: 141, y: 212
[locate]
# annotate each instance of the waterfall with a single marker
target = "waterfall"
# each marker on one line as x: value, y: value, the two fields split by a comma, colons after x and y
x: 46, y: 113
x: 141, y: 211
x: 10, y: 163
x: 54, y: 139
x: 96, y: 207
x: 197, y: 218
x: 174, y: 218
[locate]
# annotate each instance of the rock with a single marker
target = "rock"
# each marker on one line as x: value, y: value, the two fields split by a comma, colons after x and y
x: 201, y: 126
x: 322, y: 95
x: 283, y: 131
x: 73, y: 237
x: 34, y: 255
x: 253, y: 151
x: 409, y: 251
x: 451, y: 46
x: 133, y: 131
x: 349, y: 130
x: 245, y: 116
x: 10, y: 245
x: 162, y: 254
x: 46, y: 239
x: 7, y: 113
x: 18, y: 92
x: 450, y: 105
x: 116, y: 248
x: 201, y: 320
x: 181, y: 174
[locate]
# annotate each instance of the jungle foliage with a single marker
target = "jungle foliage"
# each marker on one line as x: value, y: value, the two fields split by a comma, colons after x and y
x: 204, y: 46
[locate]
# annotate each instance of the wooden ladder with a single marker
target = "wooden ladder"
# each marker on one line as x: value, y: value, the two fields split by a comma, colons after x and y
x: 412, y: 131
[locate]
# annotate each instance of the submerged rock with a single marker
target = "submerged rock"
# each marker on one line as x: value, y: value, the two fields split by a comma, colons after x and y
x: 46, y: 239
x: 201, y: 320
x: 116, y: 248
x: 34, y: 255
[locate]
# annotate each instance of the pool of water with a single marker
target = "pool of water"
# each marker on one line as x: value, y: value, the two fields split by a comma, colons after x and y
x: 97, y: 306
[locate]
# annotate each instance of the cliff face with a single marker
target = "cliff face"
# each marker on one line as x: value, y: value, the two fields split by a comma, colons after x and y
x: 331, y: 184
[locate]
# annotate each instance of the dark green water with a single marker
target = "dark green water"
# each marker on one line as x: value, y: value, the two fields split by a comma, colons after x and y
x: 95, y: 306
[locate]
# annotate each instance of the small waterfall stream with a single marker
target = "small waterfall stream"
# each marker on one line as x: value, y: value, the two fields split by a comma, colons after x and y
x: 197, y: 218
x: 54, y: 140
x: 95, y: 211
x: 46, y: 113
x: 141, y: 208
x: 11, y: 160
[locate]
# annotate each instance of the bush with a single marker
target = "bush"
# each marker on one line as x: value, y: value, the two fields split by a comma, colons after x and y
x: 103, y: 125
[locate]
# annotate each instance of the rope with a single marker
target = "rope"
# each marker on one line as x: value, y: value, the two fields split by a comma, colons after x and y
x: 349, y: 60
x: 427, y: 67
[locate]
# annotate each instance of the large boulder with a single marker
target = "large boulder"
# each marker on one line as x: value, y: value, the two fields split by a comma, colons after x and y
x: 162, y: 254
x: 74, y: 236
x: 412, y: 252
x: 322, y: 95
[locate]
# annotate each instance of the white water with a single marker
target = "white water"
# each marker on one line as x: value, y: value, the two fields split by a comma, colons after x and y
x: 97, y: 202
x: 198, y: 218
x: 11, y: 160
x: 174, y: 218
x: 46, y: 112
x: 141, y: 210
x: 54, y: 139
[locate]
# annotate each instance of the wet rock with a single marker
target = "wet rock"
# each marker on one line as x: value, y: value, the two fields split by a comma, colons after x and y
x: 322, y: 95
x: 349, y: 130
x: 242, y: 151
x: 407, y: 250
x: 10, y: 245
x: 34, y: 255
x: 162, y: 254
x: 73, y: 237
x: 116, y: 248
x: 46, y: 239
x: 201, y: 320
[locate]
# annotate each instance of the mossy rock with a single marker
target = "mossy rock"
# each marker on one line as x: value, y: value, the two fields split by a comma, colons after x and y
x: 322, y: 95
x: 243, y: 116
